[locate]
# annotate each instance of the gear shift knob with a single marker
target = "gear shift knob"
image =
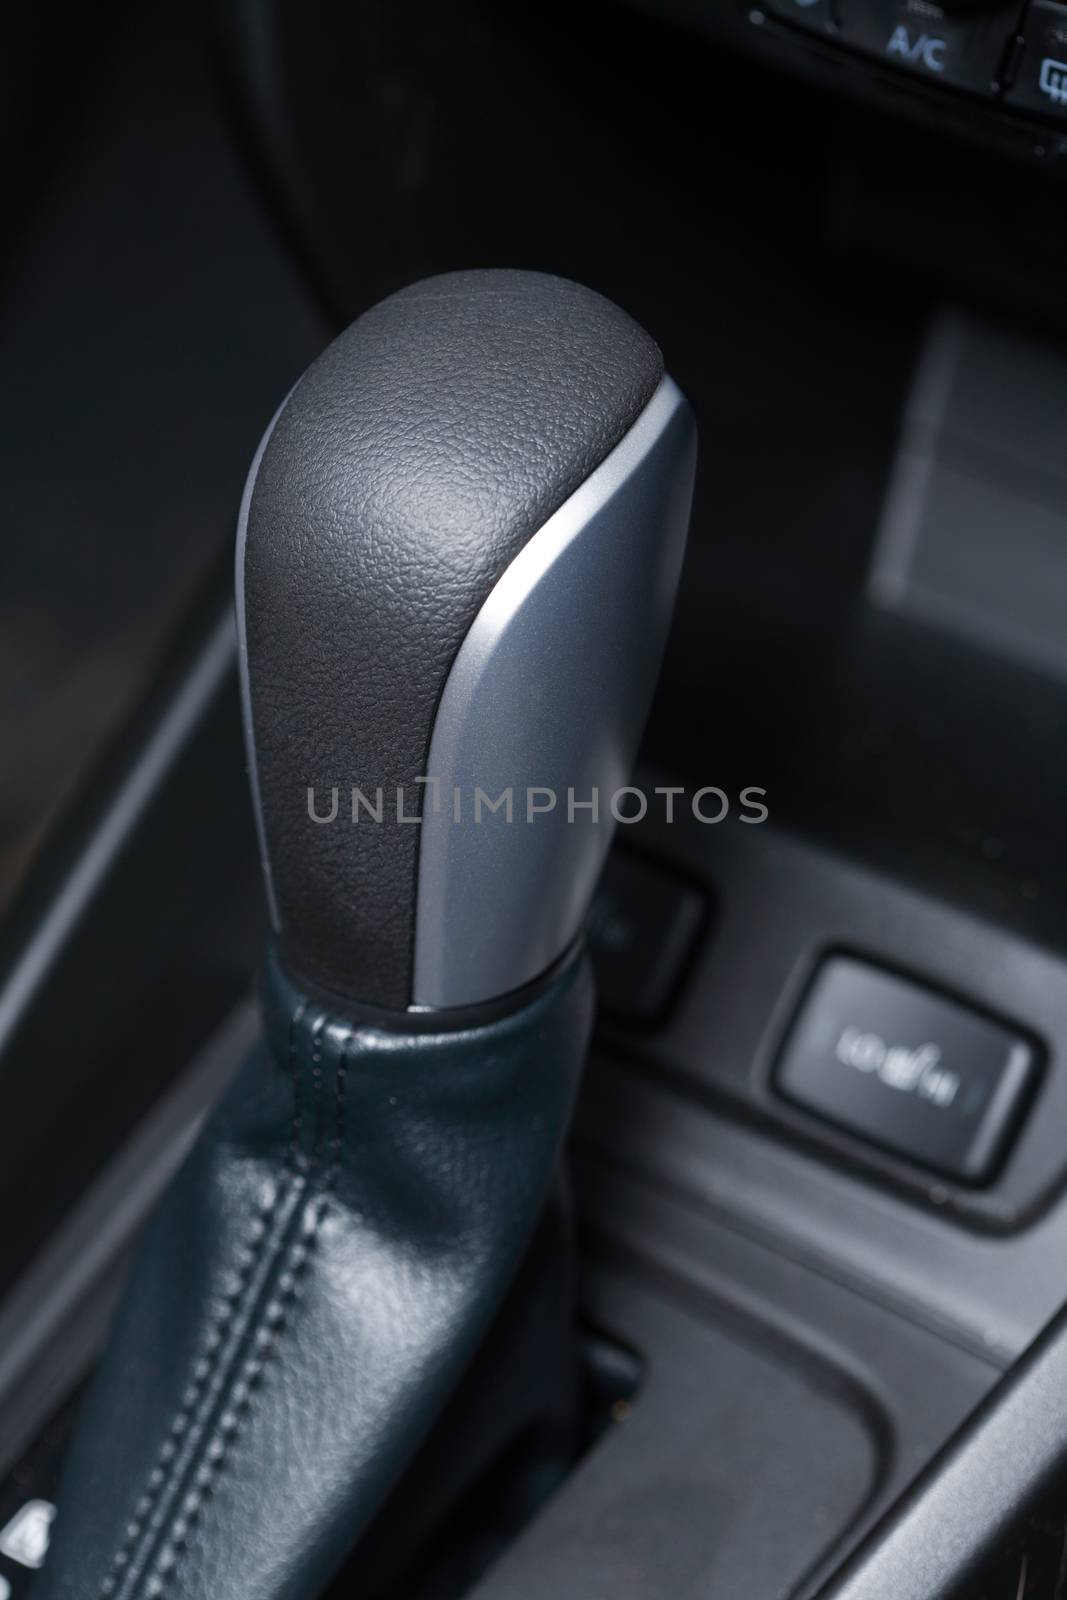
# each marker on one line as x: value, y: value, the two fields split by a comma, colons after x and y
x: 458, y: 552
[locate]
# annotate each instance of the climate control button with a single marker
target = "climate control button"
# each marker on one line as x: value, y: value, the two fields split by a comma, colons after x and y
x: 963, y: 49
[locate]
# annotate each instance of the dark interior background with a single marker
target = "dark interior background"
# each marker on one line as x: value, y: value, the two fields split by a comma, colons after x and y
x: 197, y: 198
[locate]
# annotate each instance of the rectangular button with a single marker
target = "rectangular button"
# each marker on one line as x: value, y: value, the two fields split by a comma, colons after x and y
x: 1040, y: 81
x: 908, y: 1069
x: 963, y: 48
x: 642, y: 929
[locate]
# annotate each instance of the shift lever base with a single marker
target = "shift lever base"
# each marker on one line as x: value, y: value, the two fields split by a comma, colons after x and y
x: 310, y: 1293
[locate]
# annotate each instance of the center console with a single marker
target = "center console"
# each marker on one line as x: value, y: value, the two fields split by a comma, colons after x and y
x: 820, y: 1184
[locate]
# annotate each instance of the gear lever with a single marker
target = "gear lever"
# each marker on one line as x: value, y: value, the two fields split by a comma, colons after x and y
x: 458, y: 551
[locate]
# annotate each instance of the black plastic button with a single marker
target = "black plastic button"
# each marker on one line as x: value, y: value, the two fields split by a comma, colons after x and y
x: 815, y: 15
x: 964, y: 50
x: 1040, y: 81
x: 642, y: 929
x: 908, y: 1069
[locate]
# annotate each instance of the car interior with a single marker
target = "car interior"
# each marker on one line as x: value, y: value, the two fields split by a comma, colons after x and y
x: 354, y: 1241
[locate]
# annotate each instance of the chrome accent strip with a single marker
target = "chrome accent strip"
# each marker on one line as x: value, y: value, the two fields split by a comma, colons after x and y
x: 550, y: 689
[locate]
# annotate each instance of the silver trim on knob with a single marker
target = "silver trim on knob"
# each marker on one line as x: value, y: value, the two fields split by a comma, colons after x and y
x: 549, y: 692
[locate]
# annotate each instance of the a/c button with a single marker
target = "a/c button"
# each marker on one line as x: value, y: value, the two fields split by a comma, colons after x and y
x: 961, y: 50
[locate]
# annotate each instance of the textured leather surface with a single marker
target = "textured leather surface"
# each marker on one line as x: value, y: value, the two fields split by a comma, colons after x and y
x: 308, y: 1298
x: 409, y: 466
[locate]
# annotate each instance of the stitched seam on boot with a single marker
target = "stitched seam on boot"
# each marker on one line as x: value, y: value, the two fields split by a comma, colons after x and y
x: 272, y: 1323
x: 258, y: 1246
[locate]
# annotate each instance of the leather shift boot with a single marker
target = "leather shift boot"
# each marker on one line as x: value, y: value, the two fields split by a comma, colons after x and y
x: 309, y: 1295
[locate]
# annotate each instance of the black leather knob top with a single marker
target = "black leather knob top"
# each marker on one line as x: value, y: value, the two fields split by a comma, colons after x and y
x: 407, y: 469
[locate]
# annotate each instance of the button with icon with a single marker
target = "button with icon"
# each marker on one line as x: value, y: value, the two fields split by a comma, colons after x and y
x: 1040, y: 81
x: 909, y: 1069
